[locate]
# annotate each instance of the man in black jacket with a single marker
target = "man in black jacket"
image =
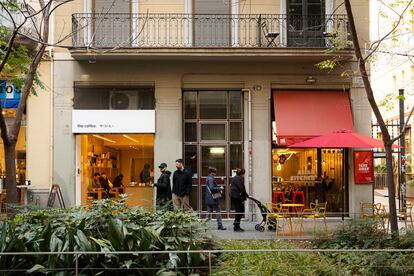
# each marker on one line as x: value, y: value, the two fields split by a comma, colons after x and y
x: 163, y: 187
x: 238, y: 197
x: 182, y: 182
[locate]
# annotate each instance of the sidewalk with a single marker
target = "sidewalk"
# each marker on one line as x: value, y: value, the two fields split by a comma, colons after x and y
x: 251, y: 234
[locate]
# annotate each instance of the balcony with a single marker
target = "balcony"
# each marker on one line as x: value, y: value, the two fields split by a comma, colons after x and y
x: 221, y: 34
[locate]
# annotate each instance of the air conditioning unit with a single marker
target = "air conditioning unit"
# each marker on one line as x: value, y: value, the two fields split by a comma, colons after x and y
x: 123, y: 100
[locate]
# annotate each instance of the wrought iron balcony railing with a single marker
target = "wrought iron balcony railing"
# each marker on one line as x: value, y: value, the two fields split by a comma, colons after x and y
x: 206, y: 31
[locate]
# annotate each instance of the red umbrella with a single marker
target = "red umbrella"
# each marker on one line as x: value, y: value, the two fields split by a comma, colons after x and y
x: 341, y: 139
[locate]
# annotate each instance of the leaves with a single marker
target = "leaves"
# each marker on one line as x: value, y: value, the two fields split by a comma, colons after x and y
x: 105, y: 226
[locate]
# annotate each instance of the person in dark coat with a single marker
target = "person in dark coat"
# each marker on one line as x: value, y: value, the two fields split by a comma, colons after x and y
x: 105, y: 184
x: 182, y: 182
x: 163, y: 187
x: 213, y: 204
x: 118, y: 183
x: 238, y: 197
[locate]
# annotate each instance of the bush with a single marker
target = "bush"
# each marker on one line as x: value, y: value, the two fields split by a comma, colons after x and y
x: 365, y: 234
x: 105, y: 226
x: 267, y: 264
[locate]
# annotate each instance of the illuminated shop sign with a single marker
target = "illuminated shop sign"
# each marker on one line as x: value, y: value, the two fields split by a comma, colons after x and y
x: 9, y: 94
x: 113, y: 121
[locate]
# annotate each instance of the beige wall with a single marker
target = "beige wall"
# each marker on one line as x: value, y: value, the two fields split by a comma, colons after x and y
x: 38, y: 131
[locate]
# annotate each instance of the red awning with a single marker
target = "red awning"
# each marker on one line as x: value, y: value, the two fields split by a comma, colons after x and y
x: 302, y: 115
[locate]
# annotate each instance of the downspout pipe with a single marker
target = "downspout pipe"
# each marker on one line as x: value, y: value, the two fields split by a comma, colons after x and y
x: 249, y: 139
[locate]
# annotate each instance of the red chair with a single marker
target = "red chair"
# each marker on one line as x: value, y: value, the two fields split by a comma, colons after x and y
x: 277, y: 195
x: 298, y: 195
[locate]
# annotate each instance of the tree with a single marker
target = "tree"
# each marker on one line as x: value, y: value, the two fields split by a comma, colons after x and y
x: 20, y: 65
x: 386, y: 137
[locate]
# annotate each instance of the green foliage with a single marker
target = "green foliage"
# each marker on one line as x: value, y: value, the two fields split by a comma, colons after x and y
x: 328, y: 64
x: 366, y: 235
x: 18, y: 62
x: 106, y: 226
x: 267, y: 264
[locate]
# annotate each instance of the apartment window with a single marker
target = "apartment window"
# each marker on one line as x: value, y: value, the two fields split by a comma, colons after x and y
x: 306, y: 22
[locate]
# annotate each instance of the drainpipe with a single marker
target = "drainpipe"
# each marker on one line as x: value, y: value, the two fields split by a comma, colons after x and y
x: 52, y: 87
x: 249, y: 133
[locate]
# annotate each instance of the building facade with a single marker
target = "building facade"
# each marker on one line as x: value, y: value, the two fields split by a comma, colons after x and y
x: 220, y: 83
x: 393, y: 69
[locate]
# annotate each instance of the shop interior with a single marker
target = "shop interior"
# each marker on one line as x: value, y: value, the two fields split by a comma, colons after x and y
x: 20, y: 158
x: 296, y: 170
x: 131, y: 155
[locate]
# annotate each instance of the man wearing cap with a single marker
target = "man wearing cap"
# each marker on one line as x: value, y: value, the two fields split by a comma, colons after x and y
x: 163, y: 187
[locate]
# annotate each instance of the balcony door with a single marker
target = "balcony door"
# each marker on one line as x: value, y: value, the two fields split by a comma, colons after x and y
x: 212, y: 23
x: 111, y: 23
x: 306, y: 21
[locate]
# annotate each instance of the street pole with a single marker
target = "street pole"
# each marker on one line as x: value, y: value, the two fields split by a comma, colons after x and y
x: 402, y: 149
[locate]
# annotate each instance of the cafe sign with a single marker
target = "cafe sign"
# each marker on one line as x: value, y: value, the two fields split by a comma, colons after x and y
x: 363, y: 167
x: 113, y: 121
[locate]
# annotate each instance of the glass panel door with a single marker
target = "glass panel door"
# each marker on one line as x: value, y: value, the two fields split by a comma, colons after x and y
x: 214, y: 156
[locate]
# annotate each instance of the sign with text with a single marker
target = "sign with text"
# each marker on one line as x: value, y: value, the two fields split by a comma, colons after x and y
x: 363, y: 167
x: 113, y: 121
x: 9, y: 94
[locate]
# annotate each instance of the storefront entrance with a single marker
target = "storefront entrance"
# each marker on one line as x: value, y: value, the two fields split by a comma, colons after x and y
x: 213, y: 136
x: 317, y: 173
x: 113, y: 155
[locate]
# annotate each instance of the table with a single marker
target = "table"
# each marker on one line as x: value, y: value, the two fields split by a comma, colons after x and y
x: 291, y: 206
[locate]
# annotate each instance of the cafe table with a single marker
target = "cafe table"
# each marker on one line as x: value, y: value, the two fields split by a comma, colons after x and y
x: 294, y: 206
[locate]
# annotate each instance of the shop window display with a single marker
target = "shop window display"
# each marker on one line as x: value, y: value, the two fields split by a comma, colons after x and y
x: 296, y: 170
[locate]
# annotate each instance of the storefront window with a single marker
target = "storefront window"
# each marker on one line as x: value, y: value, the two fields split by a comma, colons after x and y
x: 214, y: 132
x: 213, y: 105
x: 190, y: 159
x: 214, y: 156
x: 235, y: 98
x: 236, y: 131
x: 190, y: 105
x: 296, y: 170
x: 190, y: 130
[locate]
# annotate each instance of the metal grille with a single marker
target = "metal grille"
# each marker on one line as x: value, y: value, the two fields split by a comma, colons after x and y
x: 128, y: 30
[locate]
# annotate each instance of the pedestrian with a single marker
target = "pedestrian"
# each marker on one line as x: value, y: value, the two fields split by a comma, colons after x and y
x: 213, y: 195
x: 238, y: 197
x: 105, y: 184
x: 182, y: 182
x: 163, y: 187
x: 118, y: 183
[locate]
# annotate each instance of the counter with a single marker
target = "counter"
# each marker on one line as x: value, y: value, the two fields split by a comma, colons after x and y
x: 140, y: 196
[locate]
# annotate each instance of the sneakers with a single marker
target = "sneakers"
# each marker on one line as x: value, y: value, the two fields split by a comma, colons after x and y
x: 238, y: 230
x: 221, y: 228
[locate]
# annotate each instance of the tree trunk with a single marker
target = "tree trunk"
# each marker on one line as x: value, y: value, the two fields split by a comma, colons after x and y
x: 10, y: 160
x: 385, y: 134
x: 391, y: 190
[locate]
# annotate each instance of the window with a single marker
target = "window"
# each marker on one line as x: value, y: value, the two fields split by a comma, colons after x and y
x: 112, y: 97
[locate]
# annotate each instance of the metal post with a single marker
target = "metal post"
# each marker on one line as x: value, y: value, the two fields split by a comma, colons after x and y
x: 402, y: 150
x: 209, y: 263
x: 339, y: 264
x: 76, y: 264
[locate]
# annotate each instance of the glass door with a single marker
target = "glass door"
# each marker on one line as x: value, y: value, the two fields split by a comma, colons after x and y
x: 214, y: 156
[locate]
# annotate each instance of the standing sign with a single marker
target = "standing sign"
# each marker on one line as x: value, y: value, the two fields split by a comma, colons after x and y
x: 55, y: 191
x: 363, y: 167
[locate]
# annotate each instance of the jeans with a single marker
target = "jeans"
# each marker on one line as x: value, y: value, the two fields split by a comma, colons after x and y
x: 239, y: 207
x: 210, y: 209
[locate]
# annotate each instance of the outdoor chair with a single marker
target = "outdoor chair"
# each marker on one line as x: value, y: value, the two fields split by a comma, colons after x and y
x: 375, y: 211
x: 277, y: 213
x: 316, y: 212
x: 406, y: 213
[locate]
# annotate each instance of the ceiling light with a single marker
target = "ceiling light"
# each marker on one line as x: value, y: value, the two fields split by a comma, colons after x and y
x: 103, y: 138
x: 217, y: 150
x: 130, y: 138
